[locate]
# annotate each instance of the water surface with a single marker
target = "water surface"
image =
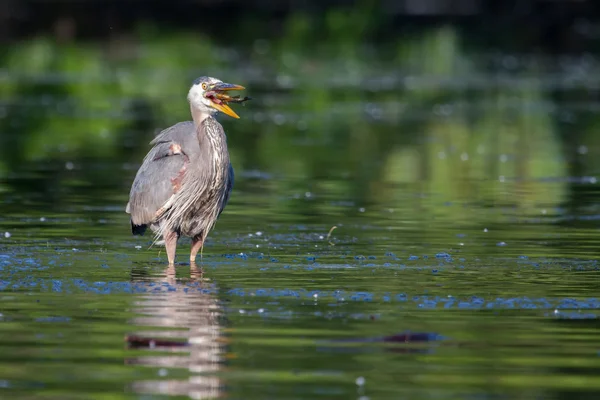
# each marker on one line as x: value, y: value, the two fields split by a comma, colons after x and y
x: 372, y: 251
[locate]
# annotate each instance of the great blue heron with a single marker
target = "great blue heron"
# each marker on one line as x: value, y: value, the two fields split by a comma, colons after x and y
x: 185, y: 180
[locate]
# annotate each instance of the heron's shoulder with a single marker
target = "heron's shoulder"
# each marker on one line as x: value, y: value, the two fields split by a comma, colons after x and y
x: 171, y: 132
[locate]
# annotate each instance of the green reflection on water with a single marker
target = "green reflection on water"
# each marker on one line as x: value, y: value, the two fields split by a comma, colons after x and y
x: 438, y: 112
x: 416, y: 150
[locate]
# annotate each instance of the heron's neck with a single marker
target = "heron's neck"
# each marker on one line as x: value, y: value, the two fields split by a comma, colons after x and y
x: 213, y: 142
x: 199, y: 115
x: 213, y: 155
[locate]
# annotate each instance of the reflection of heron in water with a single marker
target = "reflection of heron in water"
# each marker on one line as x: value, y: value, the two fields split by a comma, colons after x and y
x: 199, y: 313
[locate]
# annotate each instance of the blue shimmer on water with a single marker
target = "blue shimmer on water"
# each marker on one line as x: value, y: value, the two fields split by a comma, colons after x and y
x: 339, y: 295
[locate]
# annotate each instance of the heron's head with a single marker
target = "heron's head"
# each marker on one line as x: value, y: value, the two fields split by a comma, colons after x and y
x: 207, y: 95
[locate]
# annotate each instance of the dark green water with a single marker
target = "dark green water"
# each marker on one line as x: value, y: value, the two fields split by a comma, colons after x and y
x: 463, y: 264
x: 270, y: 314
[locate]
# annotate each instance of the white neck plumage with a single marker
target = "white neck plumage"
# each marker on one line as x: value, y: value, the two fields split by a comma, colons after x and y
x: 199, y: 115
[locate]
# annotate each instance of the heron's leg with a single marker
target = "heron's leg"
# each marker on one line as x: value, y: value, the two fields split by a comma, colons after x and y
x: 195, y: 272
x: 197, y: 245
x: 171, y: 245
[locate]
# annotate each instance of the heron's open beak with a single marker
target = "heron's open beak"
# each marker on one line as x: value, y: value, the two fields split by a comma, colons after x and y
x: 220, y: 104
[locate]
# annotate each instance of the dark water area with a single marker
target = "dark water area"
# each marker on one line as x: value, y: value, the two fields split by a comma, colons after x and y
x: 410, y: 220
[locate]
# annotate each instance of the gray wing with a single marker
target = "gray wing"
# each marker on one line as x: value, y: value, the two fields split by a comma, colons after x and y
x: 153, y: 184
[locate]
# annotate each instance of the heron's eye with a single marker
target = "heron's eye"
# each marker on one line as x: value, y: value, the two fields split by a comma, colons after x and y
x: 204, y: 86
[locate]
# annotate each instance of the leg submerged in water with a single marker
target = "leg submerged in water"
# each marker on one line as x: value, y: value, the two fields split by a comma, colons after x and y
x: 197, y: 245
x: 195, y: 272
x: 171, y: 246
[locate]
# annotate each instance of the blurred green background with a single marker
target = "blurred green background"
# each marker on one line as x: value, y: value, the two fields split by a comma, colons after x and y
x: 476, y: 100
x: 421, y: 128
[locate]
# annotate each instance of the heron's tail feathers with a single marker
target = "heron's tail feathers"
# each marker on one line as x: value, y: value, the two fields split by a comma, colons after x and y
x: 138, y: 229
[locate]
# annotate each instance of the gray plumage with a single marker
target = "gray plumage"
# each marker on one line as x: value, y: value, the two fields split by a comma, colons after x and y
x: 205, y: 183
x: 185, y: 180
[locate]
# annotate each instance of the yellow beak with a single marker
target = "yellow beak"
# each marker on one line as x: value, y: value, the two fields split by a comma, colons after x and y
x: 224, y: 87
x: 225, y: 109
